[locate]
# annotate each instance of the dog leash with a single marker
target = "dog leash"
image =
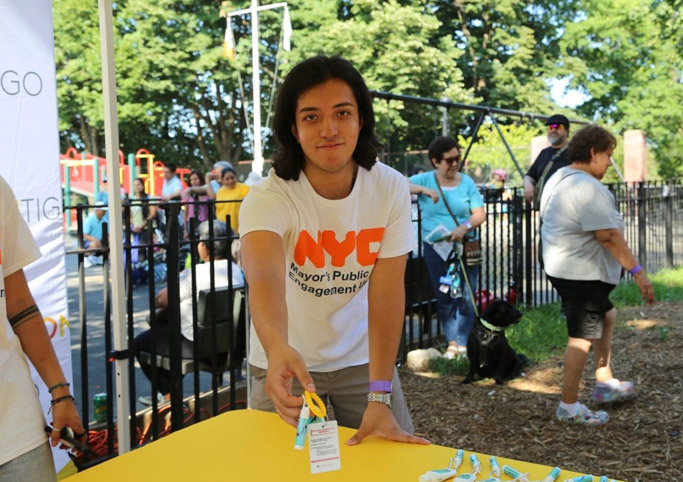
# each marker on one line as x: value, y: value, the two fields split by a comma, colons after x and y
x: 469, y: 287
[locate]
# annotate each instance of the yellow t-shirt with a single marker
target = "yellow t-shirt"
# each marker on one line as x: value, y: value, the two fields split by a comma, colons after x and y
x: 232, y: 209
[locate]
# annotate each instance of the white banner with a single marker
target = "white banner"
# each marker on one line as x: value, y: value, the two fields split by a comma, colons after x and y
x: 29, y: 161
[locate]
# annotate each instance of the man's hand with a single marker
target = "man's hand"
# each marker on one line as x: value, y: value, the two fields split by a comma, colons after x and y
x: 379, y: 420
x: 285, y: 363
x: 646, y: 290
x: 529, y: 191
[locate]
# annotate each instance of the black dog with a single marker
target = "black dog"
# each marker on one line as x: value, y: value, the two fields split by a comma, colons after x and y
x: 488, y: 350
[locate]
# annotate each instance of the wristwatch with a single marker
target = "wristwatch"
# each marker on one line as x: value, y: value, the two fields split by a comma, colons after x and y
x: 469, y: 225
x: 380, y: 397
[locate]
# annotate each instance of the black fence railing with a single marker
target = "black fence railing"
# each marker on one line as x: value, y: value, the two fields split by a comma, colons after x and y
x: 164, y: 255
x: 653, y: 216
x: 155, y: 256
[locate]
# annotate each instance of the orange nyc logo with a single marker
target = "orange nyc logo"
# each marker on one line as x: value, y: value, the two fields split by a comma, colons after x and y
x: 307, y: 247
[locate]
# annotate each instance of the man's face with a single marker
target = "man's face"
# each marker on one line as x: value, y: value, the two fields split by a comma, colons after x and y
x: 326, y: 125
x: 557, y: 134
x: 99, y: 213
x: 168, y: 175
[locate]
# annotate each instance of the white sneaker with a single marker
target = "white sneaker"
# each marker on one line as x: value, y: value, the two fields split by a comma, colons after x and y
x: 87, y: 262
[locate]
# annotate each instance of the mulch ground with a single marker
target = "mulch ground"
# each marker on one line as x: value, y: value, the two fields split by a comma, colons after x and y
x: 641, y: 442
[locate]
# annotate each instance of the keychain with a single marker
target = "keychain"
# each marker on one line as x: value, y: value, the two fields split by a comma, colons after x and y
x: 450, y: 282
x: 494, y: 475
x: 323, y: 436
x: 447, y: 280
x: 516, y: 475
x: 305, y: 418
x: 476, y: 468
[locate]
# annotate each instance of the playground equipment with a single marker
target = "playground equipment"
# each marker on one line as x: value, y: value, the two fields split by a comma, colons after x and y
x: 83, y: 173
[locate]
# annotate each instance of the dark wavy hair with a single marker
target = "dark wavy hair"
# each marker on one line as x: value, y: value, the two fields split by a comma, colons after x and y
x: 589, y: 137
x: 288, y: 160
x: 439, y: 146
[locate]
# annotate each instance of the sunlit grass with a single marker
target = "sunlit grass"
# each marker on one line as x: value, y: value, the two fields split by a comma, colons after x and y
x: 668, y: 285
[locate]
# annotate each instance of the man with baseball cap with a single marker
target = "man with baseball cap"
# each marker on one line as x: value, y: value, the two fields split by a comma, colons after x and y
x: 550, y: 159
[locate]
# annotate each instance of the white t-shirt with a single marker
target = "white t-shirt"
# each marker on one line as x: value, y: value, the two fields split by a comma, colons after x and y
x: 21, y: 419
x: 330, y: 250
x: 573, y: 205
x: 203, y: 276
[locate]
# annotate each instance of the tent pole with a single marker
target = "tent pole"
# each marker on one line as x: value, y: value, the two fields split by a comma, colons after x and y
x: 257, y: 165
x: 111, y: 136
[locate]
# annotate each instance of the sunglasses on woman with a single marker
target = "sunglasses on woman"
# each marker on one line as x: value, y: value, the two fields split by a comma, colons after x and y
x: 452, y: 159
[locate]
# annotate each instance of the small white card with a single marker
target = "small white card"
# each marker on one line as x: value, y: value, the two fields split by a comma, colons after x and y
x: 323, y: 444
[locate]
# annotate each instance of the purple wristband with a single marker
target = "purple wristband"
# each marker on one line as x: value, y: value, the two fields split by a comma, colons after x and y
x: 636, y: 269
x: 380, y: 386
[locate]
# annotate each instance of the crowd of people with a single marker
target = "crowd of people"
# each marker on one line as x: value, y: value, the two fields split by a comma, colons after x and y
x: 324, y: 243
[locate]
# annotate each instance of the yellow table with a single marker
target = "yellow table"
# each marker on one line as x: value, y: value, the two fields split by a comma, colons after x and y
x: 246, y: 445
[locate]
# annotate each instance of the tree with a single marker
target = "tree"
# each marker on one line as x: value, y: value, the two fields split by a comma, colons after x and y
x: 177, y: 95
x: 509, y: 48
x: 626, y: 56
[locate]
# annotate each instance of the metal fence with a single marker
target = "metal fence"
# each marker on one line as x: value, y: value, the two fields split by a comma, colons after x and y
x: 219, y: 323
x: 653, y: 214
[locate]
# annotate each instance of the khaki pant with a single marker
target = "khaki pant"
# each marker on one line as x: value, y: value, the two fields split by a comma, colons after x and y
x: 345, y: 390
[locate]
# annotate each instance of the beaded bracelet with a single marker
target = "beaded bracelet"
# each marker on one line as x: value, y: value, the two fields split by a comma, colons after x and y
x: 56, y: 386
x: 60, y: 399
x: 319, y: 409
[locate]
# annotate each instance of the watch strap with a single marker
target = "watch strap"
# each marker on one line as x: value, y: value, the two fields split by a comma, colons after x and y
x: 384, y: 398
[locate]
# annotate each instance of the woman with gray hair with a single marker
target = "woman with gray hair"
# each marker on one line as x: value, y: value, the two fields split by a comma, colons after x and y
x: 219, y: 243
x: 584, y: 251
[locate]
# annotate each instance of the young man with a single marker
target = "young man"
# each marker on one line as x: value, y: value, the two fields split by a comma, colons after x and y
x: 324, y: 244
x: 538, y: 175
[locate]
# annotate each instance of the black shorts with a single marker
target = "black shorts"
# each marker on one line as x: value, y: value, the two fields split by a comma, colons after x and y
x: 585, y: 304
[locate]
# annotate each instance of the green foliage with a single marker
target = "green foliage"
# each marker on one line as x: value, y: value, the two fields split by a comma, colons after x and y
x: 179, y: 98
x: 626, y: 55
x: 668, y: 286
x: 489, y: 152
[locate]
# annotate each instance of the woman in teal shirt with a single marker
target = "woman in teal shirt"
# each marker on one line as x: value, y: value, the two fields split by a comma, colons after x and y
x: 456, y: 315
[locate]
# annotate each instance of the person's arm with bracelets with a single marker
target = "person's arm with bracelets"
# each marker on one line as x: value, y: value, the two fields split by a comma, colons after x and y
x: 29, y: 326
x: 613, y: 241
x: 475, y: 220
